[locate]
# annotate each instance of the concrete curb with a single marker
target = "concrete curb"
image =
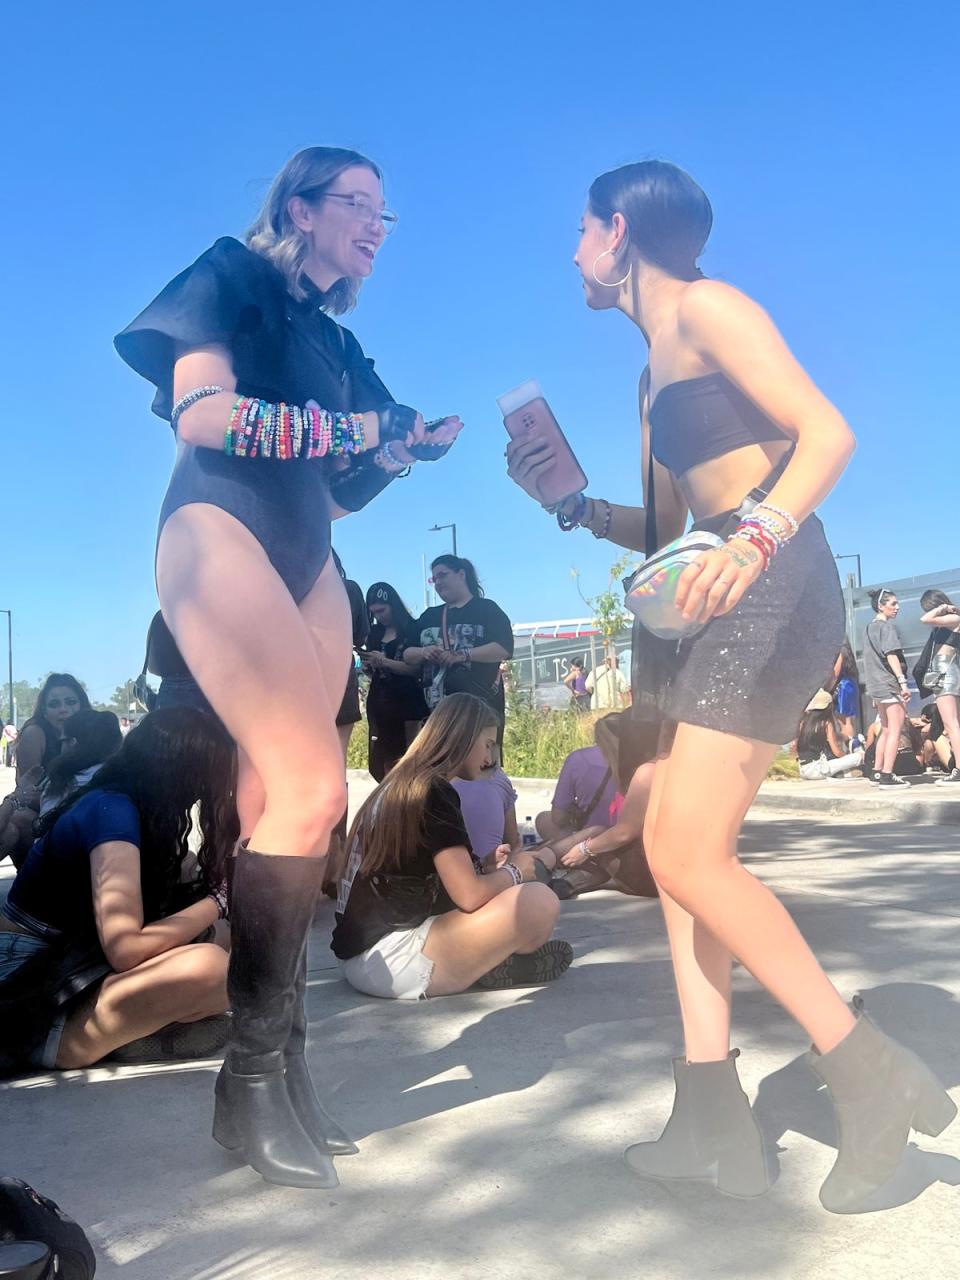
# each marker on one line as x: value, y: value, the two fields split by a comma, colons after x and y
x: 850, y: 800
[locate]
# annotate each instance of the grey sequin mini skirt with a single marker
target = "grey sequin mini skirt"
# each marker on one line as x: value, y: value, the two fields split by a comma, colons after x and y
x: 751, y: 672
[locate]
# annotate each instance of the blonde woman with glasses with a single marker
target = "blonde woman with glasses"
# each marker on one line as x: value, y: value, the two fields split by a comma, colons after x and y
x: 281, y: 426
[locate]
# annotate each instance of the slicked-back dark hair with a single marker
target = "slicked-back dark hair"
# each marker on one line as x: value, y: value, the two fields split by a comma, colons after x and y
x: 668, y: 215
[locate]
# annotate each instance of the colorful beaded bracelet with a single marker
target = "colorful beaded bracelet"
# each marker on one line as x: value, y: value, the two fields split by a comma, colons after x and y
x: 259, y: 429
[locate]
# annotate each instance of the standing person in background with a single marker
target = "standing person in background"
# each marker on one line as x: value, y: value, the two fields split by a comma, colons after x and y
x: 846, y: 691
x: 607, y: 686
x: 885, y: 675
x: 282, y: 425
x: 944, y: 616
x: 458, y: 646
x: 395, y: 705
x: 41, y: 738
x: 8, y: 744
x: 576, y: 682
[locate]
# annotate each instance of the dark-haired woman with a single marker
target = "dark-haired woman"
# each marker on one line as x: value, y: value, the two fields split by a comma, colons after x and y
x: 885, y: 676
x: 395, y: 705
x: 101, y: 943
x: 846, y: 690
x: 418, y: 914
x: 91, y: 736
x: 944, y: 616
x: 458, y: 646
x: 41, y: 738
x: 726, y: 409
x: 820, y: 751
x: 281, y: 425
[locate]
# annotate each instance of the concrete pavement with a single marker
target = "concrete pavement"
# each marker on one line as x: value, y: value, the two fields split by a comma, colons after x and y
x: 492, y: 1124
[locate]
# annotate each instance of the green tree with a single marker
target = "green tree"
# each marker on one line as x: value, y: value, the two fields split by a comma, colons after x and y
x: 607, y: 607
x: 121, y: 698
x: 24, y: 695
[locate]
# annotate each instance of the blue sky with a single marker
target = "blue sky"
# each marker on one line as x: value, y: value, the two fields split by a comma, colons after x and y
x: 824, y: 135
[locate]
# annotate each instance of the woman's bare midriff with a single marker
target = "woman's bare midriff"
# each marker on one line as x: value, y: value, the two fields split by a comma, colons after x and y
x: 721, y: 484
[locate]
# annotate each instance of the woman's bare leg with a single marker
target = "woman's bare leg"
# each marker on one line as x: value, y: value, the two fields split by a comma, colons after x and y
x: 947, y: 705
x: 255, y: 657
x: 693, y: 856
x: 464, y: 946
x: 181, y: 985
x: 892, y: 716
x: 702, y: 965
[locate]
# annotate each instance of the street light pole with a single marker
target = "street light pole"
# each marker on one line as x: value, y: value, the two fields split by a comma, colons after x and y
x: 857, y: 558
x: 9, y: 613
x: 437, y: 529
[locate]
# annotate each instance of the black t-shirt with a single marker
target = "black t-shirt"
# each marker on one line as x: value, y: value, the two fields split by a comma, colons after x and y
x: 393, y: 696
x: 478, y: 622
x: 943, y: 635
x: 401, y: 896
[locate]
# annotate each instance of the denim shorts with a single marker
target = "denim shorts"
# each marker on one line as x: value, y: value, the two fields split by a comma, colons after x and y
x: 394, y: 968
x: 16, y: 949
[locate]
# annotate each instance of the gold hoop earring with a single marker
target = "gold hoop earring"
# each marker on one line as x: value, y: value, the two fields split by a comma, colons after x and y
x: 609, y: 284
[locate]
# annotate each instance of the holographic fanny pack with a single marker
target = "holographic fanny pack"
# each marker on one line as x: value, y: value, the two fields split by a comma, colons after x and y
x: 651, y: 590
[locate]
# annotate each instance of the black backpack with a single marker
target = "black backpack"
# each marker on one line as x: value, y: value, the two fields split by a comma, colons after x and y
x: 26, y: 1215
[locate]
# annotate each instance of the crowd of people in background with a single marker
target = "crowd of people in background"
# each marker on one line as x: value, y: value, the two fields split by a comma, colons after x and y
x: 883, y: 742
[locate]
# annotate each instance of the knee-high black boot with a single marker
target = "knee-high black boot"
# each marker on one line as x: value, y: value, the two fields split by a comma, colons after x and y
x: 272, y: 904
x: 325, y: 1132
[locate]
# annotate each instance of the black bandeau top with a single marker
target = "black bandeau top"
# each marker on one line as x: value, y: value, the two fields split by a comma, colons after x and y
x: 697, y: 419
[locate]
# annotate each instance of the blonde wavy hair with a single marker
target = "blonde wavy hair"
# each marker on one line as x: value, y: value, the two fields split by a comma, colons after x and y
x: 273, y: 234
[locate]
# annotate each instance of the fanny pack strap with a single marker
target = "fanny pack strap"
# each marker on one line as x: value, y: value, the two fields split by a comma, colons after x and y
x: 755, y: 497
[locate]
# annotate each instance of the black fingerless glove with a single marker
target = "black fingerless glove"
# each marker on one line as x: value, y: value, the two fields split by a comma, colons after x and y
x: 397, y: 422
x: 360, y: 483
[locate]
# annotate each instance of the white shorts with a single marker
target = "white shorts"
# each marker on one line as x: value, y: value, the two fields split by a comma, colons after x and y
x: 394, y: 968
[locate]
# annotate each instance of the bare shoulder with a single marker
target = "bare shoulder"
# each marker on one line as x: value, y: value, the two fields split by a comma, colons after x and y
x: 707, y: 304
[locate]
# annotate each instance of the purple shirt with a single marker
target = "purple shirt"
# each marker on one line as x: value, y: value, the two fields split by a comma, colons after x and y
x: 485, y: 804
x: 579, y: 779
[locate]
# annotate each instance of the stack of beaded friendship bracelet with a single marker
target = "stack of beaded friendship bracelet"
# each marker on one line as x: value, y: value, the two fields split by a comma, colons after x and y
x: 766, y: 532
x: 258, y: 429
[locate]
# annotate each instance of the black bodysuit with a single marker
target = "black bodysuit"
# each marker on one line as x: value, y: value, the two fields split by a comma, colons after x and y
x: 281, y: 349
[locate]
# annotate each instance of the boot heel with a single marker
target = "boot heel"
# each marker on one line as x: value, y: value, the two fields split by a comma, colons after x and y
x: 224, y: 1130
x: 934, y: 1111
x: 743, y: 1177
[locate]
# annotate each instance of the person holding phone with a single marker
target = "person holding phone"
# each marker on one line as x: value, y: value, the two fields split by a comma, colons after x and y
x: 885, y: 674
x: 281, y: 426
x: 395, y: 705
x: 725, y: 408
x: 458, y: 646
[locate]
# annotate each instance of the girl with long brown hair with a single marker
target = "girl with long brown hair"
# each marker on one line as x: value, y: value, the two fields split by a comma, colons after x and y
x: 418, y: 914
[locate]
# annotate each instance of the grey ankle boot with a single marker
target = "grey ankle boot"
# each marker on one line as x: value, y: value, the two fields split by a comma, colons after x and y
x: 711, y: 1135
x: 880, y: 1091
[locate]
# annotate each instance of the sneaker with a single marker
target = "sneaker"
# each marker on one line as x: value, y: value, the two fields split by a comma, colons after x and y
x: 543, y: 965
x: 875, y: 778
x: 892, y: 780
x: 952, y: 776
x: 178, y: 1042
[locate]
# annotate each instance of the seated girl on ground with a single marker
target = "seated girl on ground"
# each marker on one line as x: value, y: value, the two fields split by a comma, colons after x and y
x: 820, y: 749
x: 417, y: 913
x: 101, y: 942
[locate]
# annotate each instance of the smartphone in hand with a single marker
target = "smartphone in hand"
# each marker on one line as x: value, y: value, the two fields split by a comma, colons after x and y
x: 525, y: 409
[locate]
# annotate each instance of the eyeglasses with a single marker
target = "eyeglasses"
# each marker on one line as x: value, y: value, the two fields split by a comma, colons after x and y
x: 363, y: 207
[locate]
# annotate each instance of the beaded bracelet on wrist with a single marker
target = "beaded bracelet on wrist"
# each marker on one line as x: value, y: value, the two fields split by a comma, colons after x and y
x: 258, y: 429
x: 515, y: 872
x: 388, y: 460
x: 790, y: 521
x: 606, y: 522
x: 184, y: 403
